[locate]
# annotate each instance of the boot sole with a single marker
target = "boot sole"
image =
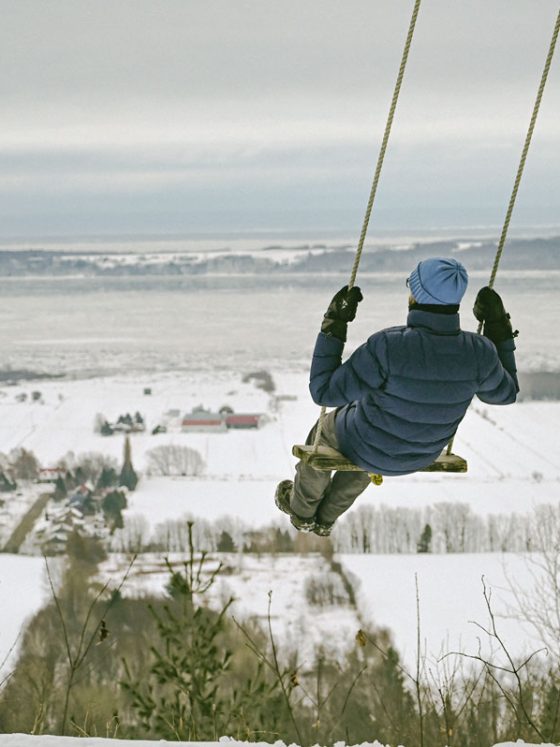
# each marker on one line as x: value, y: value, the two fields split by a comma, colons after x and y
x: 284, y: 506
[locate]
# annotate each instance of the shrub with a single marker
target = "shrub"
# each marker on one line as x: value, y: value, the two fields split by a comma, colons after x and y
x: 263, y: 380
x: 325, y: 589
x: 24, y: 464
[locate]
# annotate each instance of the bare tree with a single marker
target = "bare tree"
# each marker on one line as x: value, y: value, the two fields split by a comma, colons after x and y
x: 539, y: 603
x: 99, y: 422
x: 171, y: 460
x: 133, y: 537
x: 175, y: 535
x: 511, y: 677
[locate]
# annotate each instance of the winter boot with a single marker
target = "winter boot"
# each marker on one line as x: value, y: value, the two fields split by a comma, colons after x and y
x: 322, y: 529
x: 282, y: 500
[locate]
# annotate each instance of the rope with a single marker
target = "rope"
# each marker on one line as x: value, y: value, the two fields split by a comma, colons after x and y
x: 384, y: 143
x: 521, y: 167
x: 376, y: 176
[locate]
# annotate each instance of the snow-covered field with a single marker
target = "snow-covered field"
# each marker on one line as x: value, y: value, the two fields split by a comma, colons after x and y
x: 452, y: 605
x: 513, y: 463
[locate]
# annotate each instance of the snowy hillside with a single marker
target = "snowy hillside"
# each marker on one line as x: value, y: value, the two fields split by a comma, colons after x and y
x: 449, y: 610
x: 22, y: 593
x: 291, y: 584
x: 451, y: 601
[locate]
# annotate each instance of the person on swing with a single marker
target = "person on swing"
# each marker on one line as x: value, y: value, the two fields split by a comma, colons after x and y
x: 400, y: 396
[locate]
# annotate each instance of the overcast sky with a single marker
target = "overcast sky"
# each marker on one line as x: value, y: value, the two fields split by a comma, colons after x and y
x: 239, y: 115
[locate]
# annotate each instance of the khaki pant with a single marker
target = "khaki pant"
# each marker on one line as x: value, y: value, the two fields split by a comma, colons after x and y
x: 319, y: 493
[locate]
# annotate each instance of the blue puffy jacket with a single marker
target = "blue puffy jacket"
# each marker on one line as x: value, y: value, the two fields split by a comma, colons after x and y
x: 403, y: 393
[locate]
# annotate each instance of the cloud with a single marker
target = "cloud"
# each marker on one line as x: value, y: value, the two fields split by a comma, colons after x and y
x: 254, y: 105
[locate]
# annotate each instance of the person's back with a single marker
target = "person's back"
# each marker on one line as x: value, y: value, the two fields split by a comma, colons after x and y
x: 405, y: 391
x: 402, y: 394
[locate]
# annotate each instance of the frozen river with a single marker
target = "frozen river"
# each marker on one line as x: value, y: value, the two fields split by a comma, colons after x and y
x: 94, y: 325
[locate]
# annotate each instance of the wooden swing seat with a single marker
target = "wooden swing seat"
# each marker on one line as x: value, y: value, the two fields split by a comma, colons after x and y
x: 327, y: 458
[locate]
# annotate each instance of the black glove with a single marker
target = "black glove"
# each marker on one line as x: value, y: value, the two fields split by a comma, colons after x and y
x: 342, y: 309
x: 489, y: 309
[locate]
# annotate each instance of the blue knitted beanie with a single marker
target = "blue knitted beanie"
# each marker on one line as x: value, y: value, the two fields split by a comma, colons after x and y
x: 438, y: 281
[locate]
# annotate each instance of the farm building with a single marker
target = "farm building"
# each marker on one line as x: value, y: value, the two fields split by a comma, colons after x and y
x: 244, y: 420
x: 202, y: 420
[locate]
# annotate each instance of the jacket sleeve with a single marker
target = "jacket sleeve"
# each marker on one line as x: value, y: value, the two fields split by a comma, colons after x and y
x: 333, y: 383
x: 499, y: 384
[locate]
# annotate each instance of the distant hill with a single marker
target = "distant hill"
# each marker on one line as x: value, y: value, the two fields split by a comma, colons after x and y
x: 520, y: 254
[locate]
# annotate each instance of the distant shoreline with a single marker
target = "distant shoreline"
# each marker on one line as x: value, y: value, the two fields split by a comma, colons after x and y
x: 254, y: 258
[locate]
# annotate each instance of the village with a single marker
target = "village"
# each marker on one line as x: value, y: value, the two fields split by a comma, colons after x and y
x: 42, y: 507
x: 46, y: 498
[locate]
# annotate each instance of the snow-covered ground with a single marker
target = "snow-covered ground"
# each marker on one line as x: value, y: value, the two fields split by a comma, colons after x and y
x: 63, y: 420
x: 25, y: 740
x: 450, y: 590
x: 22, y: 593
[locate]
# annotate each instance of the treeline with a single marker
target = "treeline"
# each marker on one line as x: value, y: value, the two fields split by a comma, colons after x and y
x: 447, y: 527
x: 226, y: 534
x: 440, y: 528
x: 96, y: 663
